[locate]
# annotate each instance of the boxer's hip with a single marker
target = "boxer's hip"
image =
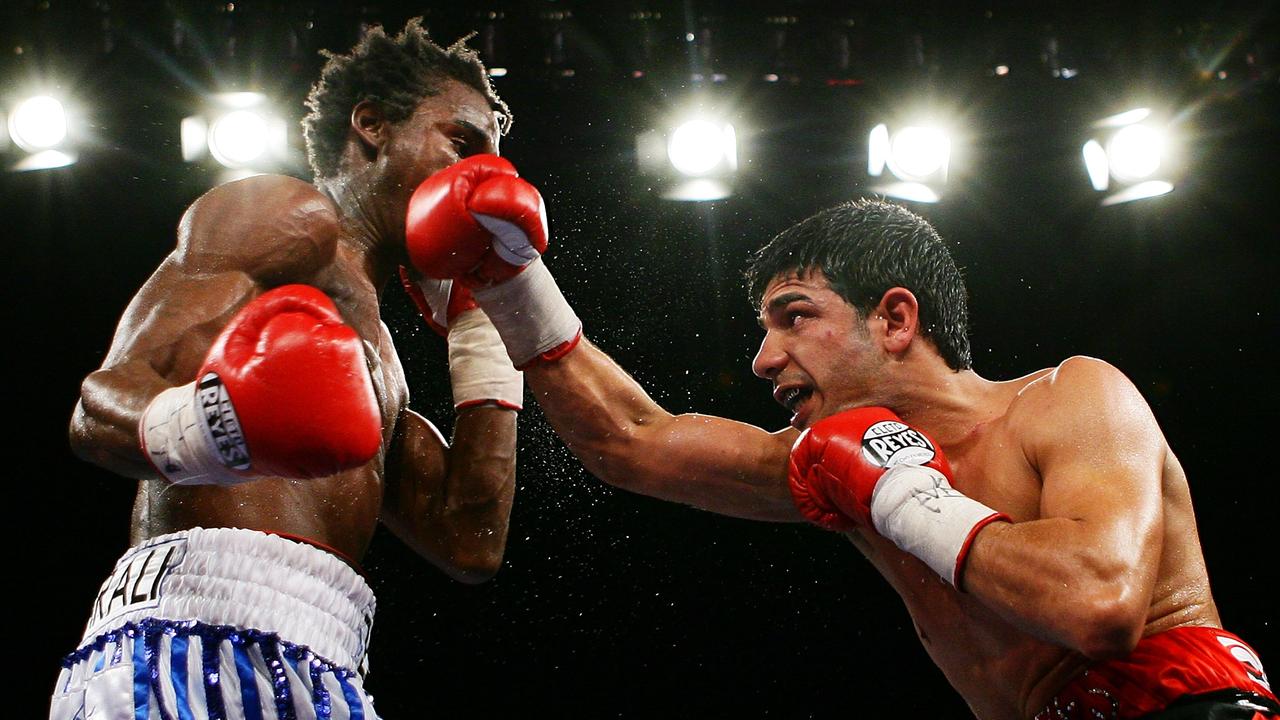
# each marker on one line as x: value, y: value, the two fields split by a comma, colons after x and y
x: 240, y: 579
x: 1166, y: 670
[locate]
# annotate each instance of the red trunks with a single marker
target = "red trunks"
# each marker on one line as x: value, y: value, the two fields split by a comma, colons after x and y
x: 1160, y: 670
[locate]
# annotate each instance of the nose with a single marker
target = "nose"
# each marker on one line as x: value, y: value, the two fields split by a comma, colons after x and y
x: 770, y: 358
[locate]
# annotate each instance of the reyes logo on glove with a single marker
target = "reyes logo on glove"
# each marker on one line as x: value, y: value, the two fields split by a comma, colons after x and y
x: 221, y: 422
x: 888, y: 443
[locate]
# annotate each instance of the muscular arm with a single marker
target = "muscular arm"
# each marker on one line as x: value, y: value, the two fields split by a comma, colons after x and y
x: 224, y: 258
x: 452, y: 504
x: 1082, y: 575
x: 623, y: 437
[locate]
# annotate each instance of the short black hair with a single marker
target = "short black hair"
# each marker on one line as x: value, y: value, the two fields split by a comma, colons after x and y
x: 865, y: 247
x: 395, y: 72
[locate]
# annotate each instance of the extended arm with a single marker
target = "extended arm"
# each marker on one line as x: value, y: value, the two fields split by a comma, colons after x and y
x: 623, y: 437
x: 1083, y: 574
x: 478, y: 222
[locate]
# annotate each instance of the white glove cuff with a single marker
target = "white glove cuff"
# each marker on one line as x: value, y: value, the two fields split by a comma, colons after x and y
x: 531, y: 315
x: 916, y: 508
x: 191, y: 435
x: 479, y: 368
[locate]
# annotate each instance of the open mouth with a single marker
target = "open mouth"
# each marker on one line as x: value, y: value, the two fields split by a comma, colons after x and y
x: 791, y: 398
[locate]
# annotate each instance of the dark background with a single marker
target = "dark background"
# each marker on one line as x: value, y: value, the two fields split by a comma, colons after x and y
x: 614, y: 605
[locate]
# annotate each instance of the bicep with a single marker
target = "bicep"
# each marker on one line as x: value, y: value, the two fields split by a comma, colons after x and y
x: 1100, y: 455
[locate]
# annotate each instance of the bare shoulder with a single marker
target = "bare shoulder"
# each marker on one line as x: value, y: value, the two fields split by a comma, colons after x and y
x: 272, y: 227
x: 1077, y: 377
x: 1079, y: 391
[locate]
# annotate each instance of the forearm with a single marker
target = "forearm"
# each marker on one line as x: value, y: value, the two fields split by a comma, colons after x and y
x: 626, y: 439
x: 480, y: 487
x: 452, y: 504
x: 104, y: 424
x: 1064, y: 580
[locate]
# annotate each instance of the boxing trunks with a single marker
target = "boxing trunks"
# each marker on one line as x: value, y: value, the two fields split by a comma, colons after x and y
x: 1186, y: 673
x: 222, y: 624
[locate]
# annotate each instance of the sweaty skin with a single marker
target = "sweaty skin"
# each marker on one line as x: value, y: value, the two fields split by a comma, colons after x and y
x: 345, y: 237
x: 1103, y: 549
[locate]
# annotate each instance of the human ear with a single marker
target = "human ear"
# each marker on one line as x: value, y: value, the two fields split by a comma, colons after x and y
x: 369, y: 125
x: 901, y: 315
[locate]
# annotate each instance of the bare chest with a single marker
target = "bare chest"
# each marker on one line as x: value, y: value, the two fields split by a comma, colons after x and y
x: 991, y: 663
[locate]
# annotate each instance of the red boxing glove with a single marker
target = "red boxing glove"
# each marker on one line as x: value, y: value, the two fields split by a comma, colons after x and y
x: 439, y: 301
x: 475, y: 221
x: 836, y: 463
x: 865, y: 468
x: 479, y: 370
x: 284, y: 392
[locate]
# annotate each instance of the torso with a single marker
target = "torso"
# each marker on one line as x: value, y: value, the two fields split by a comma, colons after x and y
x: 339, y: 512
x: 1002, y: 672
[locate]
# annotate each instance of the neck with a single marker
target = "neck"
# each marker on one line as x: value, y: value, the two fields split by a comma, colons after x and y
x: 366, y: 236
x: 947, y: 403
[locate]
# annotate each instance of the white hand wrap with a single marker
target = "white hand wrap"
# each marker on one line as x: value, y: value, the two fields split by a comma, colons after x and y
x: 479, y: 369
x: 916, y: 508
x: 193, y: 437
x: 531, y: 315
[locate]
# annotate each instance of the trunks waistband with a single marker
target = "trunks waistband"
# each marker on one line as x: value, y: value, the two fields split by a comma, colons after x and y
x: 1161, y: 669
x: 244, y: 579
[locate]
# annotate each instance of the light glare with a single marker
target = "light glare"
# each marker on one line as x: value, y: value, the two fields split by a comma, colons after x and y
x: 38, y: 123
x: 918, y: 152
x: 238, y: 138
x: 1095, y: 162
x: 1135, y: 152
x: 698, y: 146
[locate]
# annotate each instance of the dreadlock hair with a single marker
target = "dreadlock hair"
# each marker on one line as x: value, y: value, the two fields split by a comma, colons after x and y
x: 865, y: 247
x: 396, y: 73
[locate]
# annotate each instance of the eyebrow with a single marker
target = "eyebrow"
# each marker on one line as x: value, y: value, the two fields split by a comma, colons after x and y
x: 780, y: 301
x: 472, y: 128
x: 786, y: 299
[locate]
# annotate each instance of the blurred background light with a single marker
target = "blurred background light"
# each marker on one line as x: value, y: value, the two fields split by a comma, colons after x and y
x: 692, y: 160
x: 1132, y: 155
x: 917, y: 155
x: 40, y: 133
x: 239, y: 131
x: 38, y: 123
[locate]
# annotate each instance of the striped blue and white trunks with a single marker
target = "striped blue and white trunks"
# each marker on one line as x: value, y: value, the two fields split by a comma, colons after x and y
x: 222, y: 624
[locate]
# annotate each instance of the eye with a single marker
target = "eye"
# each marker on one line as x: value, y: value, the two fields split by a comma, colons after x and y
x: 461, y: 146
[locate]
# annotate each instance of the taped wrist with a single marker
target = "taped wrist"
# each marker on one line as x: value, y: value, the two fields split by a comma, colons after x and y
x: 191, y: 435
x: 531, y: 315
x: 916, y: 507
x: 479, y: 369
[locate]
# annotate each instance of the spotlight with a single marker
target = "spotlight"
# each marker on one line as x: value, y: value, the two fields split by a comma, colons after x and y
x: 1132, y: 155
x: 41, y: 128
x: 918, y: 156
x: 696, y: 159
x: 698, y: 147
x: 239, y: 131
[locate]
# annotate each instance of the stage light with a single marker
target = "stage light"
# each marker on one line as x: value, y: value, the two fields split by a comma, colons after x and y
x: 693, y: 160
x: 1132, y: 155
x: 1135, y: 152
x: 239, y: 138
x: 698, y: 147
x: 238, y: 131
x: 38, y: 123
x: 40, y: 128
x: 919, y: 152
x: 918, y: 155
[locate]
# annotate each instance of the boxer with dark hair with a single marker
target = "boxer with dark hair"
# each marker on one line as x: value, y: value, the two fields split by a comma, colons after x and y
x: 1039, y: 530
x: 253, y: 391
